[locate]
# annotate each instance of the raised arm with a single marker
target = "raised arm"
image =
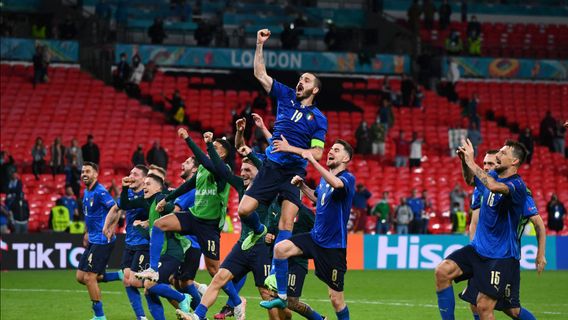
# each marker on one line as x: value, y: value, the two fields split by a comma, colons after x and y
x: 466, y: 171
x: 309, y: 192
x: 199, y: 154
x: 259, y: 122
x: 221, y: 168
x: 183, y: 189
x: 128, y: 204
x: 496, y: 187
x: 247, y: 152
x: 239, y: 134
x: 541, y: 240
x: 259, y: 66
x: 329, y: 177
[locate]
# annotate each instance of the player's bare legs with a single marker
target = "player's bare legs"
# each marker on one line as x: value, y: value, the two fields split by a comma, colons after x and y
x: 90, y: 280
x: 168, y: 222
x: 289, y: 212
x: 485, y: 306
x: 286, y: 249
x: 250, y: 218
x: 337, y: 300
x: 446, y: 272
x: 273, y: 314
x: 247, y: 206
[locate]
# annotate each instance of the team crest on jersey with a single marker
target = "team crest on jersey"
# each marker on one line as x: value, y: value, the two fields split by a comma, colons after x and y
x: 92, y: 201
x: 310, y: 116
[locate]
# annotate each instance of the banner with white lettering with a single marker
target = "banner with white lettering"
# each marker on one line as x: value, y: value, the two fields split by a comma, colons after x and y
x: 341, y: 62
x: 48, y: 251
x: 427, y: 251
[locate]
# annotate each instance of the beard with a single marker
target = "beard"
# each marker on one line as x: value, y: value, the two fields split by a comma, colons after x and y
x: 306, y: 93
x: 184, y: 175
x: 499, y: 169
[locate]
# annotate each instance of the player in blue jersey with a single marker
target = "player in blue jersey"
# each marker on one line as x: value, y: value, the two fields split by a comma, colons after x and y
x: 491, y: 260
x: 135, y: 255
x: 300, y: 128
x: 327, y: 242
x: 96, y: 204
x: 510, y: 304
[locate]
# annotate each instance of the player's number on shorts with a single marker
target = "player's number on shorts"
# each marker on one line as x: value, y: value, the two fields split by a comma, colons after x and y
x: 140, y: 259
x: 334, y: 275
x: 508, y: 290
x: 491, y: 199
x: 292, y: 280
x: 267, y: 268
x: 297, y: 116
x: 495, y: 277
x: 210, y: 245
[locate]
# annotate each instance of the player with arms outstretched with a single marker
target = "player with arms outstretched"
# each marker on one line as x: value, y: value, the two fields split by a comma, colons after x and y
x: 327, y: 242
x: 300, y: 128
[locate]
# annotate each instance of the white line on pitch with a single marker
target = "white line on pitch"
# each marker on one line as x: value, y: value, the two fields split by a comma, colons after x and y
x: 390, y: 303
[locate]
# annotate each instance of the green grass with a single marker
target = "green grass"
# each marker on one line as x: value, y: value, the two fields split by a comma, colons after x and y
x: 370, y: 295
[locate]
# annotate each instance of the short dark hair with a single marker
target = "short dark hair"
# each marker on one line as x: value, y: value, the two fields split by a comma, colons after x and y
x: 92, y: 165
x: 492, y: 151
x: 156, y: 178
x: 317, y: 81
x: 142, y: 168
x: 348, y: 148
x: 519, y: 150
x: 229, y: 158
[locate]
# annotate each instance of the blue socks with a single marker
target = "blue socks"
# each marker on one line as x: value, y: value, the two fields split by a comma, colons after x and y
x: 281, y: 269
x: 164, y: 290
x: 446, y: 303
x: 311, y: 314
x: 195, y: 296
x: 156, y: 243
x: 111, y: 276
x: 525, y: 314
x: 475, y: 316
x: 201, y: 311
x: 135, y: 300
x: 253, y: 221
x: 230, y: 290
x: 343, y: 314
x: 98, y: 309
x: 238, y: 286
x: 155, y: 307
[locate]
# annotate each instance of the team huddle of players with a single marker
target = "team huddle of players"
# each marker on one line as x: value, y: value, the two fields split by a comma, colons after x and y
x: 167, y: 231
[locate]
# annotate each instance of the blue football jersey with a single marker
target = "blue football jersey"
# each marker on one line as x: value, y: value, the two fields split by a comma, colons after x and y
x: 300, y: 125
x: 71, y: 204
x: 133, y: 237
x: 500, y: 219
x: 186, y: 201
x: 96, y: 204
x: 332, y: 212
x: 476, y: 199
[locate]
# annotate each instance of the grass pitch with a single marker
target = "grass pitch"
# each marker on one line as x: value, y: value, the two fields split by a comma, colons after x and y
x: 370, y: 295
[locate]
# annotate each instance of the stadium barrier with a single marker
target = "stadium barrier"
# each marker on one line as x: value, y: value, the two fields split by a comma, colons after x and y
x: 370, y: 252
x: 426, y: 251
x: 344, y: 62
x: 507, y: 68
x: 24, y: 49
